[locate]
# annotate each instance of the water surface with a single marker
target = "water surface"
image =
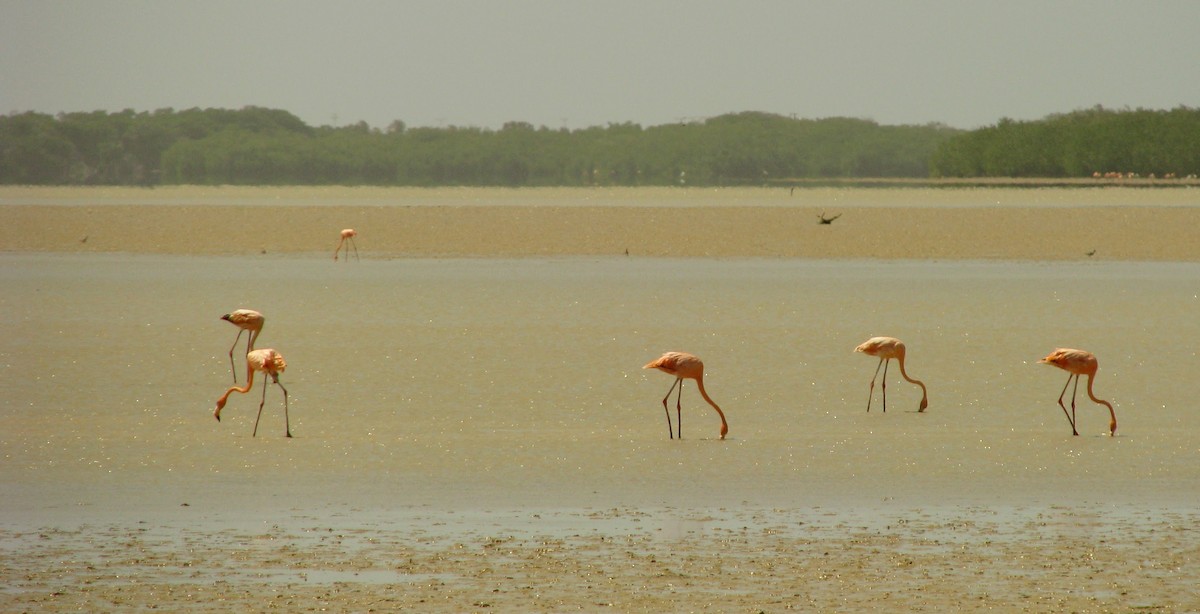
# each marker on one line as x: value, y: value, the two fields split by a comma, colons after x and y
x: 484, y: 383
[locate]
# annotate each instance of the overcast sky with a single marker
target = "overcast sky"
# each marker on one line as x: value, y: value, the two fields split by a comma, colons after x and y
x: 575, y: 64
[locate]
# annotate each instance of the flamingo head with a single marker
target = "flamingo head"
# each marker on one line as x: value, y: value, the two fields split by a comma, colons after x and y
x: 1112, y: 428
x: 220, y: 406
x: 924, y: 404
x: 724, y: 430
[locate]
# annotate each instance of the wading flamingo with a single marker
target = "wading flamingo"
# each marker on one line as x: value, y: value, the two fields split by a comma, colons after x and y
x: 683, y: 365
x: 887, y: 348
x: 1076, y: 363
x: 271, y: 363
x: 347, y: 235
x: 245, y: 320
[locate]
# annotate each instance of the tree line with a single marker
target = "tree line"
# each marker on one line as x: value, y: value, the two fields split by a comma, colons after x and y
x: 262, y: 146
x: 259, y: 146
x: 1083, y: 143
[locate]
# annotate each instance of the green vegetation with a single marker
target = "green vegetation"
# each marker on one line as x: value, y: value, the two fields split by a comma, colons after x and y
x: 1078, y: 144
x: 258, y: 146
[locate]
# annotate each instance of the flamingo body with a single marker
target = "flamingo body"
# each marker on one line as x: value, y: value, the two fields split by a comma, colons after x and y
x: 271, y: 363
x: 1076, y: 363
x: 246, y: 320
x: 886, y: 349
x: 684, y: 366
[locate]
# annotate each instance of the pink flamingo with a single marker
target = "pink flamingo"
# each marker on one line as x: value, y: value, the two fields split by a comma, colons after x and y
x: 271, y: 363
x: 683, y: 365
x: 887, y: 348
x: 347, y: 235
x: 245, y: 320
x: 1076, y: 363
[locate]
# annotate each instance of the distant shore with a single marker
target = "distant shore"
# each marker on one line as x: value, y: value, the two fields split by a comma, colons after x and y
x: 993, y: 182
x: 1144, y: 225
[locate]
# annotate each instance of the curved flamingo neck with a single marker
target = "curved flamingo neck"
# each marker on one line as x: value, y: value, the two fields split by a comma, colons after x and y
x: 1111, y: 412
x: 232, y: 389
x: 904, y: 374
x: 703, y: 393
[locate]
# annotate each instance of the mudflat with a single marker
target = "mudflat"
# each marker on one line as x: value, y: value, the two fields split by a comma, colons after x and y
x: 1111, y: 223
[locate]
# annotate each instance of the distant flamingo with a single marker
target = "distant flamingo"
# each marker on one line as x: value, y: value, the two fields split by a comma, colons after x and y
x: 271, y: 363
x: 887, y: 348
x: 683, y: 365
x: 347, y: 234
x: 245, y: 320
x: 1076, y: 363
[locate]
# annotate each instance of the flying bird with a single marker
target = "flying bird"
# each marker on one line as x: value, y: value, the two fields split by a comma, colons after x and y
x: 347, y: 238
x: 684, y: 366
x: 271, y: 363
x: 245, y: 320
x: 887, y: 348
x: 1076, y: 363
x: 821, y: 219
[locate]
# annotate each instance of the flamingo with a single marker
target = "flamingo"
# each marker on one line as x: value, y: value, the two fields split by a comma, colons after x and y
x: 887, y: 348
x: 347, y: 234
x: 683, y: 365
x: 271, y: 363
x: 1076, y: 363
x: 245, y: 320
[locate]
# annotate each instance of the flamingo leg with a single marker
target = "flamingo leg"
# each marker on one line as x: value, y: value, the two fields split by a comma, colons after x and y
x: 1074, y: 421
x: 678, y: 410
x: 232, y: 368
x: 883, y: 384
x: 670, y: 431
x: 250, y: 347
x: 356, y: 259
x: 871, y: 395
x: 286, y: 423
x: 260, y: 406
x: 1064, y: 407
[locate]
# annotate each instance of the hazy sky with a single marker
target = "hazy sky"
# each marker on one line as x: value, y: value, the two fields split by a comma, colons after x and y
x: 583, y: 63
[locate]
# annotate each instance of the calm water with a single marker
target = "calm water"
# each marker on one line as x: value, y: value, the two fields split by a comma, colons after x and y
x: 481, y: 383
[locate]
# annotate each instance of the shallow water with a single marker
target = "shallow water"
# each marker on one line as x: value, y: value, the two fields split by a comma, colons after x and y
x: 479, y: 384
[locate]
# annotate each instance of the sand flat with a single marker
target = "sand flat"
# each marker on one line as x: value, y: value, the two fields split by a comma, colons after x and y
x: 947, y: 223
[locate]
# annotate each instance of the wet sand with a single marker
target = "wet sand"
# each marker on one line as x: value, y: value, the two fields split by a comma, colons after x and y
x: 476, y: 434
x: 945, y: 223
x: 1060, y: 559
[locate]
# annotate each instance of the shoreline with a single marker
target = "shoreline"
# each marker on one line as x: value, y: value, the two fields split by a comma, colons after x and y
x: 995, y: 182
x: 1053, y: 558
